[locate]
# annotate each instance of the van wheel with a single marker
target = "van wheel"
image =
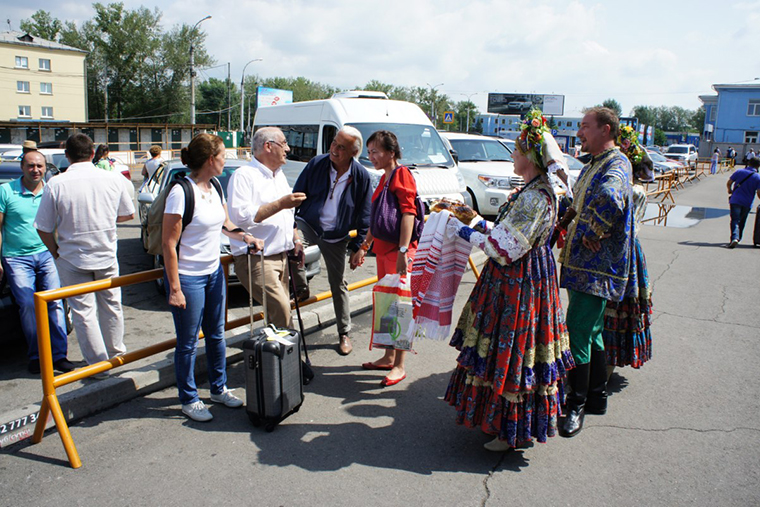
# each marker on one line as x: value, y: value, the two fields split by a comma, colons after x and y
x: 157, y: 264
x: 474, y: 203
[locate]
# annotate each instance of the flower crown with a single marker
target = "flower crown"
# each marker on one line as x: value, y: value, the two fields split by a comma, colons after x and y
x: 533, y: 128
x: 628, y: 140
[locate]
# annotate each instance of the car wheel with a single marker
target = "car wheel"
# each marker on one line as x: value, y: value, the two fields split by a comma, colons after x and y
x: 157, y: 264
x: 474, y: 203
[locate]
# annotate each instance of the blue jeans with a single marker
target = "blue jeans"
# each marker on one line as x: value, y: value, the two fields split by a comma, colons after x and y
x: 738, y: 219
x: 26, y: 275
x: 204, y: 309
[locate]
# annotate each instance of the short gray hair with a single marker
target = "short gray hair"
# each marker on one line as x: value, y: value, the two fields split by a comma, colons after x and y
x: 263, y: 136
x: 358, y: 141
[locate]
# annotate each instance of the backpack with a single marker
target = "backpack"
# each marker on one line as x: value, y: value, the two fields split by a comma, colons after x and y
x: 156, y: 212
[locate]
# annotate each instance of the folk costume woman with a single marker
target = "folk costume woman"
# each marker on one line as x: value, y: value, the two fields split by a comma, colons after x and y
x: 513, y: 342
x: 627, y: 338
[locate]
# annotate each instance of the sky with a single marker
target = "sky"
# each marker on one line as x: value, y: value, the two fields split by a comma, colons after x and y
x: 658, y: 53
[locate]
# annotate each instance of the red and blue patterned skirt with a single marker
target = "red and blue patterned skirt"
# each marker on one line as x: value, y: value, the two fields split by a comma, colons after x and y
x: 514, y: 351
x: 627, y: 337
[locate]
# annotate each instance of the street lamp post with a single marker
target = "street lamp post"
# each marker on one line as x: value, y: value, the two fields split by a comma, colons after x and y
x: 242, y: 92
x: 468, y: 109
x: 432, y: 103
x: 192, y: 71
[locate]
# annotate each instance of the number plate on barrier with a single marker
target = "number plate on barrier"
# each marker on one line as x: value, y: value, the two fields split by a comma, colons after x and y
x: 19, y: 429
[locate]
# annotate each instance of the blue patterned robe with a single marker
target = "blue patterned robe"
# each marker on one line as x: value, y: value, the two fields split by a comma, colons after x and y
x: 603, y: 200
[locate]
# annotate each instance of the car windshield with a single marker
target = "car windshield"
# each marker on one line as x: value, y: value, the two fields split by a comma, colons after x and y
x: 656, y: 157
x: 60, y: 161
x: 678, y: 149
x: 420, y: 144
x: 573, y: 163
x: 480, y: 150
x: 178, y: 172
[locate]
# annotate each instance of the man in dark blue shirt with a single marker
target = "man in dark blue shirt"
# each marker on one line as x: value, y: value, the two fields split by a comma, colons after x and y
x: 338, y: 193
x: 742, y: 187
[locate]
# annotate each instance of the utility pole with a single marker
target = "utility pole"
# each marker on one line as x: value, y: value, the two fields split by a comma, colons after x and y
x: 229, y: 110
x: 433, y: 112
x: 468, y: 109
x: 192, y: 71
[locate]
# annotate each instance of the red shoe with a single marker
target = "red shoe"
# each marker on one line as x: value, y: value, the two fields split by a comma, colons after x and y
x: 373, y: 366
x: 386, y: 382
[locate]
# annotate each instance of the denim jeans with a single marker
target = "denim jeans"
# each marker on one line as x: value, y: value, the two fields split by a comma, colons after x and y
x: 26, y: 275
x: 204, y: 309
x: 738, y: 219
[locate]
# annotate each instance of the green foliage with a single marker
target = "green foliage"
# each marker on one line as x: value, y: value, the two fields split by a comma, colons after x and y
x: 43, y: 25
x: 614, y: 105
x: 211, y: 103
x: 660, y: 139
x: 670, y: 119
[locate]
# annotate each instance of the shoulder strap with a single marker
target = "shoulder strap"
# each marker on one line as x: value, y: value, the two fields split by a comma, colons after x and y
x: 737, y: 185
x: 218, y: 186
x: 187, y: 187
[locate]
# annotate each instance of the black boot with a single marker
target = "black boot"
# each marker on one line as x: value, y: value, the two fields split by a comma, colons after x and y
x: 576, y: 400
x: 597, y: 392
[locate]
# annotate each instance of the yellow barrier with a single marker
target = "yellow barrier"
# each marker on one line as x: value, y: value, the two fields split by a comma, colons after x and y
x: 50, y: 381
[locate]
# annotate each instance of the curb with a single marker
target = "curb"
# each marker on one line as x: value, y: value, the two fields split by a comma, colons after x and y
x: 98, y: 395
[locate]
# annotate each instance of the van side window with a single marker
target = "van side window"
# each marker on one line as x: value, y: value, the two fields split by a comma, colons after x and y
x: 302, y: 140
x: 328, y: 134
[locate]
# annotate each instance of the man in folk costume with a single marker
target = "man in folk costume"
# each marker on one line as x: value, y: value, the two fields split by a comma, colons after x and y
x: 595, y: 261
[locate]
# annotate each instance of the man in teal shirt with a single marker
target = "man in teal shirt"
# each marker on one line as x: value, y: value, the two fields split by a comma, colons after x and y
x: 26, y: 261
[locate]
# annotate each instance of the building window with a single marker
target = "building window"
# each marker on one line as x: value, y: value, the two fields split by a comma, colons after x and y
x: 22, y: 86
x: 45, y: 64
x: 24, y: 111
x: 47, y: 112
x: 750, y: 137
x: 22, y: 62
x: 46, y: 88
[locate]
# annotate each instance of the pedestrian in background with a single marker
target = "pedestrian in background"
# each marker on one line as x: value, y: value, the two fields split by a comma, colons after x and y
x: 28, y: 265
x: 742, y: 186
x: 391, y: 257
x: 596, y: 260
x: 338, y: 192
x: 102, y: 160
x: 513, y: 344
x: 83, y: 206
x: 194, y: 278
x: 152, y: 164
x: 714, y: 161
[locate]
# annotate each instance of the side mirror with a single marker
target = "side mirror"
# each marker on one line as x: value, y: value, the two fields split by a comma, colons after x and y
x: 145, y: 198
x: 455, y: 155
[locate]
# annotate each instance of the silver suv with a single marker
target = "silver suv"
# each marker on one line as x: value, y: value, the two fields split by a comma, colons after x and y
x: 684, y: 153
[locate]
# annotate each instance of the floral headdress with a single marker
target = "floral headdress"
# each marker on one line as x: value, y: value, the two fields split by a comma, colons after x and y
x: 628, y: 140
x: 533, y: 128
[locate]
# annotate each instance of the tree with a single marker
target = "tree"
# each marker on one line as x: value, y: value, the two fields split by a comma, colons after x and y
x: 659, y: 137
x: 43, y: 25
x: 212, y: 102
x: 465, y: 109
x: 698, y: 119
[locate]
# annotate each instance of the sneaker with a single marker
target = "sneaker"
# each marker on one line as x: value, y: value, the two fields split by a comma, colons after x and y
x: 733, y: 243
x: 226, y: 397
x: 197, y: 412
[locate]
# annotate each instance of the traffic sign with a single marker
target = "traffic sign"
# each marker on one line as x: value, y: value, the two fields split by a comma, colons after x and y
x: 448, y: 117
x: 555, y: 132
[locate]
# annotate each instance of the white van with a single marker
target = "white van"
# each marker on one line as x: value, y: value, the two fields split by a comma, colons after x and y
x: 311, y: 126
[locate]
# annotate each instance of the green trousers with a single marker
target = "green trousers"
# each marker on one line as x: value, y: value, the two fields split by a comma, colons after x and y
x: 585, y: 323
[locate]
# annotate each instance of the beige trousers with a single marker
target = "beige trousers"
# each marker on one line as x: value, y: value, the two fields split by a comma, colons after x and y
x: 276, y: 278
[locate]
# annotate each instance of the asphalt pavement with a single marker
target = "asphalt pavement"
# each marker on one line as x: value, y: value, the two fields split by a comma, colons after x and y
x: 682, y: 430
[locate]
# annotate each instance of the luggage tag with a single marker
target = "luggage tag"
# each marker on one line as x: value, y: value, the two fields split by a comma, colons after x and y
x: 273, y: 334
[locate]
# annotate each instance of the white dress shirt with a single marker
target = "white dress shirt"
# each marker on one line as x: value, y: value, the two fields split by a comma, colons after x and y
x: 249, y: 188
x: 328, y: 217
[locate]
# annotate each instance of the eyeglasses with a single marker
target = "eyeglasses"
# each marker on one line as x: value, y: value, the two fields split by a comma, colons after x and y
x: 281, y: 144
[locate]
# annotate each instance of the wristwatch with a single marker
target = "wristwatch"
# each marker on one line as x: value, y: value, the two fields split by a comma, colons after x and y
x: 403, y: 249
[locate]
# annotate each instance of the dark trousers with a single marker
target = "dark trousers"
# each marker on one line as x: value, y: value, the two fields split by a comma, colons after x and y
x: 738, y: 220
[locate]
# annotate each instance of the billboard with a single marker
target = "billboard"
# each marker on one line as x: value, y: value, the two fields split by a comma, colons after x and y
x: 521, y: 103
x: 266, y: 97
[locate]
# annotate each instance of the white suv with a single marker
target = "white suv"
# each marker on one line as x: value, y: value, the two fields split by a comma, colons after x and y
x: 487, y: 168
x: 684, y: 153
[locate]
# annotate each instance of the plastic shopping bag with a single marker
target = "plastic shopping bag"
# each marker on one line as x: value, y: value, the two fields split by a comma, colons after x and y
x: 392, y: 314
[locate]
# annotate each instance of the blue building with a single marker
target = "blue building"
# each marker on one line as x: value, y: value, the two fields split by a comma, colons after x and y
x: 565, y: 129
x: 732, y: 118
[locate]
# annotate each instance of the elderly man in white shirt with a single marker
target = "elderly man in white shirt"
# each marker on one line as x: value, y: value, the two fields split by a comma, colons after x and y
x: 83, y: 205
x: 260, y: 201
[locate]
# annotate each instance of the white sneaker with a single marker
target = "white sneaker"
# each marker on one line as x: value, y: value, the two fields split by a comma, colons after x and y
x: 197, y: 412
x: 226, y: 397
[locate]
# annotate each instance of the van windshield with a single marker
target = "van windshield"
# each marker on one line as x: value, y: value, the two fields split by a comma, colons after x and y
x: 420, y: 144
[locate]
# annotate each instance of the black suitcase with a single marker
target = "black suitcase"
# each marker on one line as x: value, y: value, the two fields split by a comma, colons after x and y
x: 273, y: 376
x: 756, y: 235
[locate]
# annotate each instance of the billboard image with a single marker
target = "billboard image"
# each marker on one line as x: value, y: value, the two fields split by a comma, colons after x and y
x: 266, y: 97
x: 521, y: 103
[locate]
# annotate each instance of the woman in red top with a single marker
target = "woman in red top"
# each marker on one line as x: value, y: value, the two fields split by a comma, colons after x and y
x: 384, y: 153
